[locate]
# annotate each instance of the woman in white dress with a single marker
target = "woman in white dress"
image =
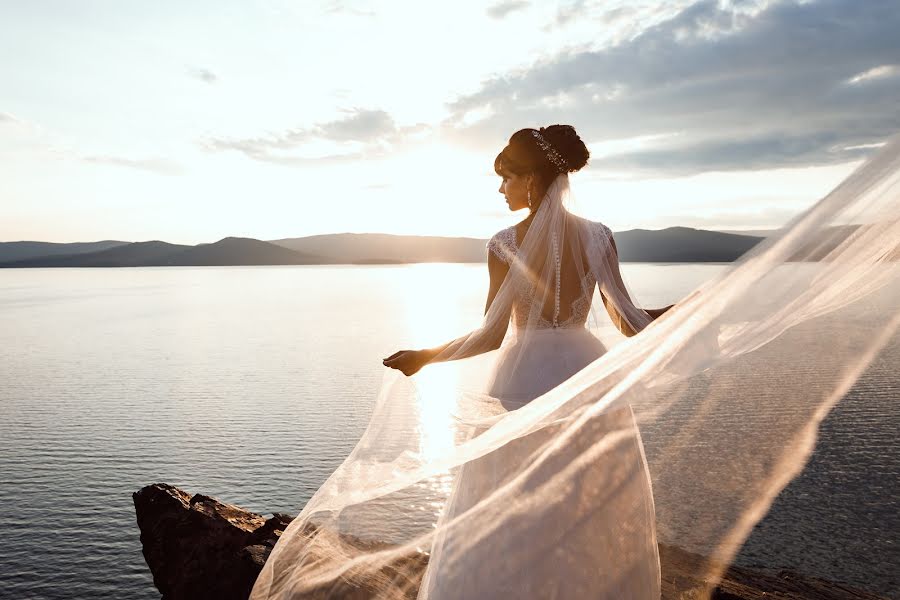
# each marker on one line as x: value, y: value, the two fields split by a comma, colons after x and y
x: 551, y: 497
x: 567, y: 549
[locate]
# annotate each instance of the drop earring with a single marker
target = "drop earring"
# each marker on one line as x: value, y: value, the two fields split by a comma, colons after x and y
x: 529, y: 197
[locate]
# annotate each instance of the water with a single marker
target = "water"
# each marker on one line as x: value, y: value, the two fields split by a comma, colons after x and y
x: 251, y: 384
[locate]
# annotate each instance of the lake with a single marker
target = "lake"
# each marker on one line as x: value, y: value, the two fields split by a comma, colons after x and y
x: 251, y: 384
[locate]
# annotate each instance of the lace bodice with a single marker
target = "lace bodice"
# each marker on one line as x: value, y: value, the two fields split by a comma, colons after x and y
x: 503, y: 246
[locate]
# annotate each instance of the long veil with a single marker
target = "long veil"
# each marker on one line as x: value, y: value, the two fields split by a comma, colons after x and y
x: 727, y: 389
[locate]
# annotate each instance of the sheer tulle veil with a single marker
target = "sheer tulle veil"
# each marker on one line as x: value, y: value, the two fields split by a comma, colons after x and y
x: 727, y: 389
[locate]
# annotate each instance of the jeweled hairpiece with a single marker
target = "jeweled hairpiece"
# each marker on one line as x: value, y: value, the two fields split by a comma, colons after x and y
x: 552, y: 153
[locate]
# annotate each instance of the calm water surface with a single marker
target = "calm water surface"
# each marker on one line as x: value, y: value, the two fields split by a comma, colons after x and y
x: 251, y: 384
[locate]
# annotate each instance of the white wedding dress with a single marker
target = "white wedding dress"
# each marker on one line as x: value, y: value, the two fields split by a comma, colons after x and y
x: 552, y: 498
x: 574, y: 547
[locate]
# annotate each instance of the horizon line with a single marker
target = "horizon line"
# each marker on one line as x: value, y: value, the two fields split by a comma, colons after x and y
x: 460, y: 237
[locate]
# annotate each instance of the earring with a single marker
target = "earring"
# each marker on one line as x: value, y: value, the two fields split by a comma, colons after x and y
x: 529, y: 197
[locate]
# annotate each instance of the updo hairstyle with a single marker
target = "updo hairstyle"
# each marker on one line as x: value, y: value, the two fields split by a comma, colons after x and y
x: 524, y: 154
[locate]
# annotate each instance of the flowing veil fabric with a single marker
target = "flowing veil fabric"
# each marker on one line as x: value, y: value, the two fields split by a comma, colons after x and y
x: 682, y: 434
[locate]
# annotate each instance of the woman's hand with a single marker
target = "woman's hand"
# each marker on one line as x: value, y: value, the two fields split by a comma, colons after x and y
x: 408, y: 361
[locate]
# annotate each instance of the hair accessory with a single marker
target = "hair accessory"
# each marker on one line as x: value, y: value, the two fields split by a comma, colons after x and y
x: 551, y: 153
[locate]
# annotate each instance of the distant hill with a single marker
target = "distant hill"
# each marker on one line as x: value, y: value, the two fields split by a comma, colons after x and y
x: 763, y: 233
x: 227, y: 251
x: 135, y: 254
x: 382, y: 247
x: 831, y: 239
x: 681, y: 244
x: 675, y: 244
x: 10, y: 251
x: 242, y: 251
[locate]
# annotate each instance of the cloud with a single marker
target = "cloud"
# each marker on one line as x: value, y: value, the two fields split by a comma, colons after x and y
x: 876, y: 73
x: 360, y: 125
x: 502, y: 9
x: 156, y: 165
x: 338, y: 7
x: 361, y: 133
x: 47, y: 144
x: 619, y: 19
x: 745, y: 85
x: 204, y: 75
x: 569, y: 12
x: 749, y: 153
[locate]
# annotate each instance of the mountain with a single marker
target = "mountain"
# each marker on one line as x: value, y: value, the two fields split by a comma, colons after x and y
x: 675, y: 244
x: 136, y: 254
x: 227, y: 251
x: 830, y: 239
x: 242, y: 251
x: 382, y: 247
x: 681, y: 244
x: 763, y: 233
x: 10, y: 251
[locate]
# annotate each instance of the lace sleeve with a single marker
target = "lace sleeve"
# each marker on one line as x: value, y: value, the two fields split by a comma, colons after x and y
x: 628, y: 317
x: 604, y: 236
x: 599, y: 238
x: 503, y: 244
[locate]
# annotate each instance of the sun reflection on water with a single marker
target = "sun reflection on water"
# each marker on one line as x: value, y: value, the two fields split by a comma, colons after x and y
x: 437, y: 308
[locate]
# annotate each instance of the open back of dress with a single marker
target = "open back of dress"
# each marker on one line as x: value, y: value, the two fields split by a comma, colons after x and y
x: 572, y: 548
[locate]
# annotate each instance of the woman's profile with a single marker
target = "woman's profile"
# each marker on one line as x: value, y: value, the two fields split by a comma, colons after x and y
x: 550, y: 263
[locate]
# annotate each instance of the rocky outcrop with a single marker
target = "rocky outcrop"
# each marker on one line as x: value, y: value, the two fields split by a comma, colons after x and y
x: 199, y: 548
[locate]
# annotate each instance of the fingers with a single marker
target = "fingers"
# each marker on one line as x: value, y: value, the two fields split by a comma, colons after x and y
x: 398, y: 360
x: 405, y: 369
x: 394, y: 355
x: 402, y: 361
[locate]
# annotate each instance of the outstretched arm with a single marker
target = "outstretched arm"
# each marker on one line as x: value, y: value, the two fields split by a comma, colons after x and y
x: 618, y: 320
x: 411, y: 361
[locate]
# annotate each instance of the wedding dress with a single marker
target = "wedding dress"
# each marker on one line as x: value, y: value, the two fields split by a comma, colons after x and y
x: 592, y: 559
x: 548, y: 483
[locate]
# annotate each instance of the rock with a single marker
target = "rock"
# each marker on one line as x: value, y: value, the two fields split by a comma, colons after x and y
x: 199, y: 548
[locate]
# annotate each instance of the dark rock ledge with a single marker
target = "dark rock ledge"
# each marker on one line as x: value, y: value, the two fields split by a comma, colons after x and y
x: 199, y: 548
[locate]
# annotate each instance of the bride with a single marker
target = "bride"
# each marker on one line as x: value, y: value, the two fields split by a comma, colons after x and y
x: 542, y: 488
x: 551, y: 262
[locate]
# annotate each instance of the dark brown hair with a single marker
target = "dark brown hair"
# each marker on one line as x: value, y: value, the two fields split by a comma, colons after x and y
x: 524, y: 155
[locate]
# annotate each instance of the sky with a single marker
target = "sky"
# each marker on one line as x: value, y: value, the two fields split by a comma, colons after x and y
x: 193, y: 121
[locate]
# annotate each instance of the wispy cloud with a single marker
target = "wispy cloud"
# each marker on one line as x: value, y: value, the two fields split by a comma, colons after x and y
x: 340, y: 7
x: 362, y: 132
x: 745, y: 85
x: 504, y: 8
x: 875, y: 74
x: 49, y: 144
x: 569, y: 12
x: 204, y: 75
x: 160, y: 166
